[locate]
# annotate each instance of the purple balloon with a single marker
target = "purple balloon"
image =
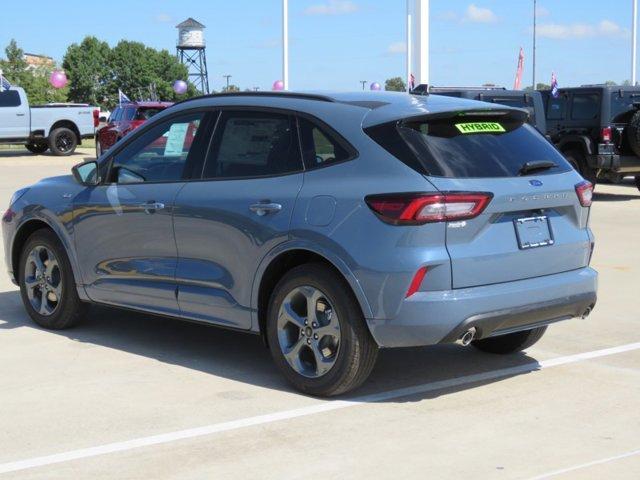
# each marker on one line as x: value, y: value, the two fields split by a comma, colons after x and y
x: 375, y: 86
x: 180, y: 87
x: 58, y: 79
x: 278, y: 85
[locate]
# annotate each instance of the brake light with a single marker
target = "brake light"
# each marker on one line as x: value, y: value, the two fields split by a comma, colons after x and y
x: 605, y: 134
x: 584, y: 190
x: 96, y: 118
x: 420, y: 208
x: 416, y: 282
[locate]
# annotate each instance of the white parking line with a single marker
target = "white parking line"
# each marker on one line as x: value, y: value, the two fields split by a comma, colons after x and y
x: 586, y: 465
x: 325, y: 406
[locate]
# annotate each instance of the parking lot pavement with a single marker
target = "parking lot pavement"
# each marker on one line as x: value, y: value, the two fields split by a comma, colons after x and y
x: 123, y: 395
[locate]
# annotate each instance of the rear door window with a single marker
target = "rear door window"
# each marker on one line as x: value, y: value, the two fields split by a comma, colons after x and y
x: 9, y: 98
x: 556, y: 107
x: 449, y: 147
x: 585, y: 106
x: 254, y: 144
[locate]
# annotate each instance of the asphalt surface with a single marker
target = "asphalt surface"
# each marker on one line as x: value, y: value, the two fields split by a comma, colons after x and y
x: 131, y: 396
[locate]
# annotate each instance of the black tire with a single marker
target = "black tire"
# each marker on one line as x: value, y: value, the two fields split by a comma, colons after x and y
x: 637, y: 179
x: 356, y: 351
x: 510, y: 343
x: 63, y: 142
x: 69, y: 309
x: 37, y: 148
x: 579, y: 163
x: 633, y: 132
x: 98, y: 147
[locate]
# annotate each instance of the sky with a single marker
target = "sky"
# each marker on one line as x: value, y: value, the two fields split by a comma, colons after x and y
x: 334, y: 44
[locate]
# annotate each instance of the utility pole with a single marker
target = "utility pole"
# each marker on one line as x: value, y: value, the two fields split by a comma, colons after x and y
x: 634, y: 41
x: 227, y: 77
x: 409, y: 46
x: 363, y: 82
x: 533, y: 60
x: 285, y: 43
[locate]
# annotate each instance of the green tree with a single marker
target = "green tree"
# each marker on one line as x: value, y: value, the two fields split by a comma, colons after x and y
x: 395, y: 84
x: 88, y: 70
x: 539, y: 86
x: 232, y: 88
x: 34, y: 81
x: 611, y: 83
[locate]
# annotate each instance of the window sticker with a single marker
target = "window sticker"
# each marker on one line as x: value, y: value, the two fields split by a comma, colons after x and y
x: 480, y: 127
x: 175, y: 140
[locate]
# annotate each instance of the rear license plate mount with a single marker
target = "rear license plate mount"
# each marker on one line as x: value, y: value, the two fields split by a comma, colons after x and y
x: 533, y: 232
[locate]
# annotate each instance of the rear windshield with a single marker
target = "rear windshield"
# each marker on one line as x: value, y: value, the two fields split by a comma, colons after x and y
x: 145, y: 113
x: 623, y: 104
x: 468, y: 147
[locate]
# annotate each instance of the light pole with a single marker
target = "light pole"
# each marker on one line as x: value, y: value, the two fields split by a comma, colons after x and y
x: 533, y: 58
x: 227, y: 77
x: 409, y: 46
x: 285, y: 44
x: 634, y: 41
x: 363, y: 82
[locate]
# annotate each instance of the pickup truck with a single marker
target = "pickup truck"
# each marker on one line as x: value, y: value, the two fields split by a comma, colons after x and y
x: 59, y: 128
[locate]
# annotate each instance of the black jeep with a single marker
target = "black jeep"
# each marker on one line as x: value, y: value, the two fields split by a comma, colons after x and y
x: 597, y: 128
x: 530, y: 101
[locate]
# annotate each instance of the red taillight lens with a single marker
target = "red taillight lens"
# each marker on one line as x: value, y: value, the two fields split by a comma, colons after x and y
x: 416, y: 209
x: 416, y: 282
x: 585, y: 193
x: 96, y: 118
x: 605, y: 134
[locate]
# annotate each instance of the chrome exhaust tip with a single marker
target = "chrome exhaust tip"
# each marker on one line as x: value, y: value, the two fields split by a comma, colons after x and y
x: 586, y: 313
x: 467, y: 337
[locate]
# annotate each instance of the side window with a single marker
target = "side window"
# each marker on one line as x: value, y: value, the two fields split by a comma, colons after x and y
x: 9, y: 98
x: 556, y: 108
x: 584, y: 106
x: 128, y: 113
x: 160, y: 154
x: 319, y: 147
x: 254, y: 144
x: 115, y: 116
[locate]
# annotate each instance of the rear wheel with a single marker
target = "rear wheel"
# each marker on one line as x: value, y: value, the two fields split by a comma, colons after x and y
x: 317, y: 333
x: 62, y: 141
x: 510, y: 343
x: 47, y: 285
x: 638, y: 181
x: 579, y: 163
x: 37, y: 148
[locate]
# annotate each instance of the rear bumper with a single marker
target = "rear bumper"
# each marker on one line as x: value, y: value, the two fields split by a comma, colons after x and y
x: 428, y: 318
x: 626, y: 164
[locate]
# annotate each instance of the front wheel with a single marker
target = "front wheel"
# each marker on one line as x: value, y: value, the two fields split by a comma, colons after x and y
x: 47, y: 285
x: 63, y: 142
x: 511, y: 342
x: 37, y: 148
x: 317, y: 333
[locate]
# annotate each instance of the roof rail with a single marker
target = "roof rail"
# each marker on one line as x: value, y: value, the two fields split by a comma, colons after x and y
x: 496, y: 87
x: 297, y: 95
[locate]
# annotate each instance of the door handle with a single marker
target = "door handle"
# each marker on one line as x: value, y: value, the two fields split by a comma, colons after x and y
x: 263, y: 208
x: 151, y: 207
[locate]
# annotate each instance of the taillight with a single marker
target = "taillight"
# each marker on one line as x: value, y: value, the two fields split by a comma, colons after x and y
x: 605, y: 134
x: 420, y: 208
x: 585, y: 193
x: 96, y: 118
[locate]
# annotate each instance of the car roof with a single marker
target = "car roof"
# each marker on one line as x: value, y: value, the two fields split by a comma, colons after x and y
x: 377, y: 107
x: 606, y: 88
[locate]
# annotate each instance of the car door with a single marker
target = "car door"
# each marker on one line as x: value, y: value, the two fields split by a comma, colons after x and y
x: 124, y: 227
x: 226, y: 223
x: 14, y: 115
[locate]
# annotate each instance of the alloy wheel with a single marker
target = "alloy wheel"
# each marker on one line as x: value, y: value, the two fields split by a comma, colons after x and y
x: 308, y: 331
x: 43, y: 280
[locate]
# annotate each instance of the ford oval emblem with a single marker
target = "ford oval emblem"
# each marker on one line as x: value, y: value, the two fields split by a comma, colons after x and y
x: 535, y: 183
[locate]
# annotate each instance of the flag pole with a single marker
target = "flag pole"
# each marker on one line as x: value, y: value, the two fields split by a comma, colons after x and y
x: 634, y: 41
x: 409, y: 45
x: 533, y: 58
x: 285, y: 44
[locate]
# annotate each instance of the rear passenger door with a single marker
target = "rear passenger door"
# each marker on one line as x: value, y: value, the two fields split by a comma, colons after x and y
x: 238, y: 211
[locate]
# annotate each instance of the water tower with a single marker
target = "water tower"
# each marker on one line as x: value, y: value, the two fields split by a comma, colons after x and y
x: 192, y: 52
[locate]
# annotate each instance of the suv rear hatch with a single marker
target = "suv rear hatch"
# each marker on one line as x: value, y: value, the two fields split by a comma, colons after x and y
x: 534, y: 224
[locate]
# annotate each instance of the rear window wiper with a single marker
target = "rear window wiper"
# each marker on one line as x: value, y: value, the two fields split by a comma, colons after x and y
x: 530, y: 167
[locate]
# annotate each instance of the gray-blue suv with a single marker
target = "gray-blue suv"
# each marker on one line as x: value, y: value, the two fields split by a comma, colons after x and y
x: 332, y: 225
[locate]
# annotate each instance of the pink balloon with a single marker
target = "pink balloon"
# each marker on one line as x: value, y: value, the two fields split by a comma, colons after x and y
x: 375, y: 86
x: 278, y: 85
x: 58, y: 79
x: 180, y: 87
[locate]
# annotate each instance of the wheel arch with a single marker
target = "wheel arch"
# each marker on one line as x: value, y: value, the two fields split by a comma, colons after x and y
x: 284, y: 258
x: 67, y: 124
x: 576, y: 142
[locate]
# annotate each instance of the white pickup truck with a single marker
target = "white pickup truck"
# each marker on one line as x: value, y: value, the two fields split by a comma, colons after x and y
x: 58, y: 127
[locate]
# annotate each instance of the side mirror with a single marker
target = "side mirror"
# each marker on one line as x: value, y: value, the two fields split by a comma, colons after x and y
x: 86, y: 173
